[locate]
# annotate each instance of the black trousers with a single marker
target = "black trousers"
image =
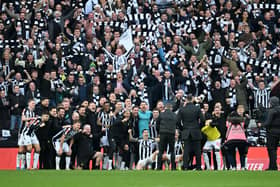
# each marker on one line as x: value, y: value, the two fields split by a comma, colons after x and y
x: 117, y: 146
x: 166, y: 139
x: 74, y: 155
x: 272, y: 145
x: 242, y: 147
x: 46, y: 155
x: 192, y: 146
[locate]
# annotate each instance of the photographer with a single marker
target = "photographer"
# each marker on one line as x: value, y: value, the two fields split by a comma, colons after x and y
x: 236, y: 138
x: 272, y: 125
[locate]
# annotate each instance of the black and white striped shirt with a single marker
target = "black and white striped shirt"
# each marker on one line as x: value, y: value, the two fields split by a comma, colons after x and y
x: 57, y: 83
x: 68, y: 132
x: 21, y: 83
x: 105, y: 120
x: 4, y: 87
x: 178, y: 148
x: 145, y: 148
x: 33, y: 126
x: 27, y: 113
x: 153, y: 129
x: 261, y: 97
x: 118, y: 61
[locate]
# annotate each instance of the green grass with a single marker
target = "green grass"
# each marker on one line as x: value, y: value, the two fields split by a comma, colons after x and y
x: 139, y: 178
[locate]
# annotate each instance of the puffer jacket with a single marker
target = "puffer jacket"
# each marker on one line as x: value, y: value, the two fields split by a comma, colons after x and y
x: 272, y: 122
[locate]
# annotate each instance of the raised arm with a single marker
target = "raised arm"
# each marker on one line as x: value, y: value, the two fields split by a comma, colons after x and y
x: 28, y: 76
x: 186, y: 47
x: 9, y: 75
x: 128, y: 52
x: 232, y: 65
x: 110, y: 55
x: 251, y: 85
x: 10, y: 13
x: 274, y: 84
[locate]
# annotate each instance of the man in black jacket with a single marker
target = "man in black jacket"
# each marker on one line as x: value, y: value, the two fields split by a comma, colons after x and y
x: 191, y: 116
x: 272, y: 125
x: 44, y: 135
x: 17, y: 103
x: 133, y: 146
x: 86, y: 151
x: 119, y: 140
x: 166, y: 123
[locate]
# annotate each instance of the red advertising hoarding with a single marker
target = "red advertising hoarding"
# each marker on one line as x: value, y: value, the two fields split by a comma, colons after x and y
x: 257, y: 158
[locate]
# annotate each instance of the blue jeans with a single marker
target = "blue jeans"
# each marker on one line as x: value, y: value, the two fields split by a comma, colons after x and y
x: 15, y: 120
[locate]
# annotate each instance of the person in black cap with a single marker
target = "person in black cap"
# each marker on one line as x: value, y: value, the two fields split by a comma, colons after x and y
x: 272, y: 125
x: 166, y: 123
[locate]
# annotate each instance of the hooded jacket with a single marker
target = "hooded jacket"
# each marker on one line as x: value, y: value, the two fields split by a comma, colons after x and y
x: 272, y: 122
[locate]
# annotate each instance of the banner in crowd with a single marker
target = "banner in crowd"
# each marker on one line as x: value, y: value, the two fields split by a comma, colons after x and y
x: 126, y: 39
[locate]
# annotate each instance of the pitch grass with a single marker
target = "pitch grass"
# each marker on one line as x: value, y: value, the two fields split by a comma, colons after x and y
x: 139, y: 178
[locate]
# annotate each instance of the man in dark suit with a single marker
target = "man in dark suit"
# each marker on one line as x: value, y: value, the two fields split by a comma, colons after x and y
x: 190, y: 116
x: 166, y: 123
x: 272, y: 125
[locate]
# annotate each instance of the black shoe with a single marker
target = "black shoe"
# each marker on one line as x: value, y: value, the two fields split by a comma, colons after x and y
x: 271, y: 169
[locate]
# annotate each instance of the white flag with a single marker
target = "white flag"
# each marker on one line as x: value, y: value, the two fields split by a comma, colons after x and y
x: 126, y: 39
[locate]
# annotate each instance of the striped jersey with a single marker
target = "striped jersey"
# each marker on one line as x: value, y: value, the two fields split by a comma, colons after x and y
x: 68, y: 132
x: 33, y: 126
x: 146, y: 148
x: 27, y: 127
x: 261, y: 97
x: 178, y: 148
x: 153, y: 128
x: 105, y: 120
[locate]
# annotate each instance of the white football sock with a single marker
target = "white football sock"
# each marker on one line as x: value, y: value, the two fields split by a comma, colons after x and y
x: 68, y: 160
x: 206, y: 161
x: 57, y: 161
x: 218, y: 159
x: 28, y: 158
x: 35, y: 160
x: 110, y: 165
x: 23, y: 159
x: 19, y: 156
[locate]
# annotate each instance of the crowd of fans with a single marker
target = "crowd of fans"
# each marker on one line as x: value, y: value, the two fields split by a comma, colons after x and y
x: 65, y: 56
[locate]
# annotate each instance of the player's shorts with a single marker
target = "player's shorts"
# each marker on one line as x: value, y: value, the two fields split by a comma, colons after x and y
x: 147, y: 161
x: 209, y: 145
x: 22, y: 141
x: 104, y: 141
x: 177, y: 157
x: 65, y: 147
x: 25, y: 140
x: 34, y: 139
